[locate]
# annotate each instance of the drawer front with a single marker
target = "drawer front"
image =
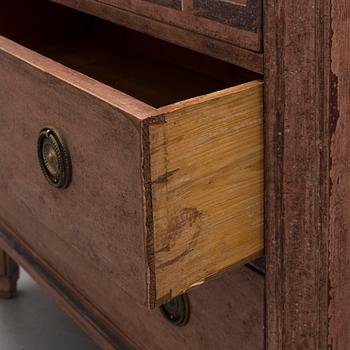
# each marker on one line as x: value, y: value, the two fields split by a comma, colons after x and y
x: 98, y: 219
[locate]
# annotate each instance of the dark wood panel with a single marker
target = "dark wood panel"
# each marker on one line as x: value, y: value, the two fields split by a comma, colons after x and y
x: 226, y: 312
x: 297, y: 49
x: 245, y: 17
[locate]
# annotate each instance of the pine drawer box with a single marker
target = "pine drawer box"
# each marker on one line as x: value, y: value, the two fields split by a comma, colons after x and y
x: 166, y: 155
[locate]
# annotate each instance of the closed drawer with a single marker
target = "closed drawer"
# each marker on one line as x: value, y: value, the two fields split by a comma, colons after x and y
x: 167, y: 181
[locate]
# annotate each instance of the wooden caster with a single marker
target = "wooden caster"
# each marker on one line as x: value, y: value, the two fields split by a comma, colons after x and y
x: 9, y: 274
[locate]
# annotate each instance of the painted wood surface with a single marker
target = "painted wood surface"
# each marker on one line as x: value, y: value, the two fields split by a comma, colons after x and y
x: 227, y: 43
x: 307, y: 174
x: 339, y: 186
x: 206, y: 157
x: 297, y: 179
x: 9, y: 274
x: 67, y: 223
x: 232, y: 302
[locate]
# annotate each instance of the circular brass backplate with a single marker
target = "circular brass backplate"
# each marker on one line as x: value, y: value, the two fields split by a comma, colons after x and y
x: 54, y: 158
x: 177, y: 310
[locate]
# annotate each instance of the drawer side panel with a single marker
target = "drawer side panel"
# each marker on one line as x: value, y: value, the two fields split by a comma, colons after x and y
x: 207, y: 186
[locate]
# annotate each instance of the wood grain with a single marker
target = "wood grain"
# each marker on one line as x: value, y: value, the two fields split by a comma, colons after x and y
x: 339, y: 201
x: 9, y: 274
x: 306, y: 183
x: 206, y: 159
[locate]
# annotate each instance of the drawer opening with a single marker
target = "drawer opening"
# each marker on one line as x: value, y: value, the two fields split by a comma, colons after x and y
x: 153, y: 71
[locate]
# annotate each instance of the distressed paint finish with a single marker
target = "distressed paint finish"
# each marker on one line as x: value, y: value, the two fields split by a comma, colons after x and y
x: 296, y: 112
x: 307, y: 174
x: 339, y: 295
x: 307, y: 188
x: 58, y: 226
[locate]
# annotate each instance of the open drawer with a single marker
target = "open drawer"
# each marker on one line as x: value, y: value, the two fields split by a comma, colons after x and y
x: 166, y: 154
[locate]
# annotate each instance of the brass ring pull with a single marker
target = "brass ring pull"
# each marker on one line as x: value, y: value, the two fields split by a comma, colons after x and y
x: 177, y: 310
x: 54, y: 158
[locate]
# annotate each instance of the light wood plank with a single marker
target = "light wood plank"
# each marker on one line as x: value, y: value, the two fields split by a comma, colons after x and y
x: 207, y: 186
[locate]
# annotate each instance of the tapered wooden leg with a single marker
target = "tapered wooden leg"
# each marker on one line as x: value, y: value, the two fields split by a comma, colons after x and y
x: 9, y: 273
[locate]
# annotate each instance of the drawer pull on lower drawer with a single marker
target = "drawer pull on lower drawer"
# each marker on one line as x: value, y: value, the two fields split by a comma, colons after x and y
x: 54, y: 158
x: 177, y: 310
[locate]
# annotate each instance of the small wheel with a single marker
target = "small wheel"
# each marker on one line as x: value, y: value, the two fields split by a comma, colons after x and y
x: 177, y: 310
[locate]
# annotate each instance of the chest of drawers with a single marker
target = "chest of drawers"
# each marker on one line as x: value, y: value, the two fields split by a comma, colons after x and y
x: 134, y: 152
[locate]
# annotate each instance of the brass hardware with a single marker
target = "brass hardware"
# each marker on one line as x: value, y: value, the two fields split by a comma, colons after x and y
x: 177, y: 310
x: 54, y: 158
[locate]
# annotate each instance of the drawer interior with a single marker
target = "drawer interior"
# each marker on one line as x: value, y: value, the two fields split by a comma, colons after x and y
x: 155, y: 72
